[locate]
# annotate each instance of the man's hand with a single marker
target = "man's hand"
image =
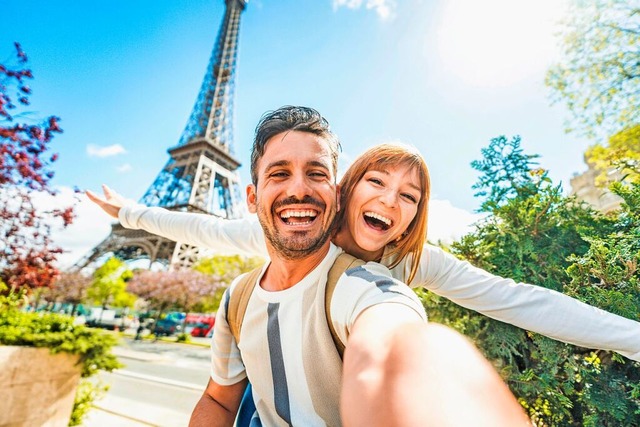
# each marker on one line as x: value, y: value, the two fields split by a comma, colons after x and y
x: 111, y: 203
x: 402, y: 372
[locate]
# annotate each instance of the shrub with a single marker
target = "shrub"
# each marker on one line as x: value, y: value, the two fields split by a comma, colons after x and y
x: 58, y: 333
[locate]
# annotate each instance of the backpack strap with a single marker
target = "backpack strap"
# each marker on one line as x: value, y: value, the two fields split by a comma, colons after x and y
x: 341, y: 264
x: 239, y: 299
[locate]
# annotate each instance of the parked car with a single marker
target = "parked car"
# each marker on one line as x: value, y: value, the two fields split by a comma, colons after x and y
x: 167, y: 327
x: 99, y: 317
x: 199, y: 325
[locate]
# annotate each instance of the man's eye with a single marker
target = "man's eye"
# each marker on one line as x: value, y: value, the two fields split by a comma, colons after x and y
x: 317, y: 174
x: 279, y: 175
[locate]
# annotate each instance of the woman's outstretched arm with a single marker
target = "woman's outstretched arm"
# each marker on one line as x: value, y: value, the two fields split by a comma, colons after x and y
x: 235, y: 236
x: 530, y: 307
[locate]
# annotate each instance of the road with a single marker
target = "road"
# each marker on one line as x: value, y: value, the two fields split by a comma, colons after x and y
x: 159, y: 385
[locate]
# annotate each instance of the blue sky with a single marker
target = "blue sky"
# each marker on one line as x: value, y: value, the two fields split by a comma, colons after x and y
x: 443, y: 75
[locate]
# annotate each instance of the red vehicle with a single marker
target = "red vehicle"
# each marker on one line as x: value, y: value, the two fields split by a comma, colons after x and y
x: 199, y: 325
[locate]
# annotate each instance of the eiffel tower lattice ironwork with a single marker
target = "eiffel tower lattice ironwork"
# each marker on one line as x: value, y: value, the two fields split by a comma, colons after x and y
x: 200, y: 175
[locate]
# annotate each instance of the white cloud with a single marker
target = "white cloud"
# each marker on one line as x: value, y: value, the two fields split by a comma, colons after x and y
x: 89, y: 228
x: 124, y: 168
x: 384, y: 8
x: 100, y: 151
x: 448, y: 223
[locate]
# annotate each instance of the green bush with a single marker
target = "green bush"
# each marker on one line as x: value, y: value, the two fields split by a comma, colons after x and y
x: 534, y: 234
x: 59, y: 334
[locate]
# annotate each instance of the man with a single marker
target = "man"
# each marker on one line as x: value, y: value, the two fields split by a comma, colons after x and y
x: 397, y: 369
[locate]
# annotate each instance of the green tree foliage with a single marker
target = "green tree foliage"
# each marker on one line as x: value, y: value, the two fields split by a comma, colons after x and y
x: 619, y: 160
x: 608, y: 274
x: 599, y: 76
x: 109, y: 285
x: 225, y: 268
x: 536, y: 235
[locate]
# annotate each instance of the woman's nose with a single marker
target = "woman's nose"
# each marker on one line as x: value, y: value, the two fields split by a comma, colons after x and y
x: 389, y: 198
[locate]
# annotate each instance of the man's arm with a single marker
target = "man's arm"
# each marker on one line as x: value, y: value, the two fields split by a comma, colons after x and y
x: 401, y: 371
x: 218, y: 405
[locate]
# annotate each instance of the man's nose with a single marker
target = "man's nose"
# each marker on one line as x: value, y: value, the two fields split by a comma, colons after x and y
x: 299, y: 187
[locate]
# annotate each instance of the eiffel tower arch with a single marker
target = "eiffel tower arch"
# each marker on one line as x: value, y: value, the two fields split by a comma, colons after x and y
x: 201, y: 174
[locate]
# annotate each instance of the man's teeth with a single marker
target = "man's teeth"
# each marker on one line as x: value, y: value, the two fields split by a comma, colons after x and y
x: 378, y: 217
x: 289, y: 214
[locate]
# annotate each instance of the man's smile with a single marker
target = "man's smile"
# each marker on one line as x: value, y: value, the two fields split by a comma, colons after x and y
x: 293, y: 216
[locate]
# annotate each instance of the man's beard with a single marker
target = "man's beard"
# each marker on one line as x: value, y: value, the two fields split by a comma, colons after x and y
x: 299, y: 245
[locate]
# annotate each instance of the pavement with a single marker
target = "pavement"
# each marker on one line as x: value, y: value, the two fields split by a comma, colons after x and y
x: 103, y: 414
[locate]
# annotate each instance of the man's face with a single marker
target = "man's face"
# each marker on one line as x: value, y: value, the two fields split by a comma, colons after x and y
x: 296, y: 196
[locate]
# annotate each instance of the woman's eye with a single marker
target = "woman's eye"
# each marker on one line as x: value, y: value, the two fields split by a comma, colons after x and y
x: 375, y: 181
x: 410, y: 197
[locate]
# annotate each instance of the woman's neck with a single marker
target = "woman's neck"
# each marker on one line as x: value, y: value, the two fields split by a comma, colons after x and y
x: 345, y: 240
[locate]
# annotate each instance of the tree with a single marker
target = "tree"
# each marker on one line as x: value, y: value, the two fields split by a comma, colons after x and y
x: 599, y: 76
x: 70, y: 288
x: 619, y: 160
x: 109, y: 285
x: 225, y: 268
x: 536, y: 235
x: 181, y: 290
x: 27, y: 253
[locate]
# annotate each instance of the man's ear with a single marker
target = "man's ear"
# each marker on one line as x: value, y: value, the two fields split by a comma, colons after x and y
x: 252, y: 198
x: 337, y: 198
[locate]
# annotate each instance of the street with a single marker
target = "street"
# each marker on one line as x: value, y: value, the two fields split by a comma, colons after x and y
x: 159, y: 385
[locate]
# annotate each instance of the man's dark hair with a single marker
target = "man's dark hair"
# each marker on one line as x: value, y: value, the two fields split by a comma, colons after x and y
x: 289, y: 118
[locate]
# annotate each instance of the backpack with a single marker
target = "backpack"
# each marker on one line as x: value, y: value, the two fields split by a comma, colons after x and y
x: 239, y: 299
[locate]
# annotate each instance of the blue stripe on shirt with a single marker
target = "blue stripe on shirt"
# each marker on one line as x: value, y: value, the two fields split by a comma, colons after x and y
x: 384, y: 283
x: 280, y: 388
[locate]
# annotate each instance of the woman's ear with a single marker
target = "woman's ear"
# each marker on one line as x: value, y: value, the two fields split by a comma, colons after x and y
x: 252, y: 198
x: 402, y: 236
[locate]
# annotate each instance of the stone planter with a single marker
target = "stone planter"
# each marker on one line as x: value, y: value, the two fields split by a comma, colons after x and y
x: 37, y: 388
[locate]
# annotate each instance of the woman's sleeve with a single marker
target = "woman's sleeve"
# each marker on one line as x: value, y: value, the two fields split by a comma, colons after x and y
x: 233, y: 236
x: 530, y: 307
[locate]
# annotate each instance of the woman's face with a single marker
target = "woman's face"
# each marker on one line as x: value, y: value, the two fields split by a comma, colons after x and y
x: 381, y: 207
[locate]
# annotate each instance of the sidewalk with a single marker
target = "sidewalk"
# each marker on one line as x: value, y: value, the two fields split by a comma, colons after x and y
x: 113, y: 411
x: 103, y: 417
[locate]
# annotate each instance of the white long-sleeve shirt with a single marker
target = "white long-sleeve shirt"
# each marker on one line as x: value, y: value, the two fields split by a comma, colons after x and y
x: 530, y: 307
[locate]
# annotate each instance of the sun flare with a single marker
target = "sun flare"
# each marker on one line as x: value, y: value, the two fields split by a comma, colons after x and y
x: 497, y: 42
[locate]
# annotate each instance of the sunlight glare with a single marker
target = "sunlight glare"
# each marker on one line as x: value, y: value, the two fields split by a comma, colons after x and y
x: 497, y: 42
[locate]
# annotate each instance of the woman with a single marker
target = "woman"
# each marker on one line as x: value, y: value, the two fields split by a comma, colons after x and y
x: 385, y: 193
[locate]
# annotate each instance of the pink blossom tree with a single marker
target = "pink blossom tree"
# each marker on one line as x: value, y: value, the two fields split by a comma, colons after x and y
x: 180, y: 290
x: 70, y: 288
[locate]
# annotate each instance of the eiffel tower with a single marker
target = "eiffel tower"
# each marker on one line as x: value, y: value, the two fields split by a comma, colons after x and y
x: 200, y: 175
